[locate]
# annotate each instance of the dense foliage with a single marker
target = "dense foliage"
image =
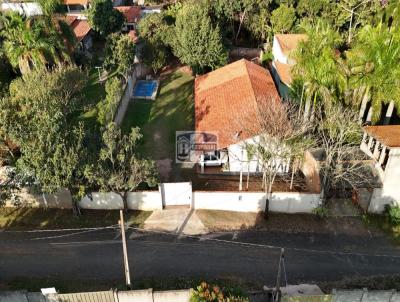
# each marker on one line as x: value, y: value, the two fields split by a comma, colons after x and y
x: 103, y: 18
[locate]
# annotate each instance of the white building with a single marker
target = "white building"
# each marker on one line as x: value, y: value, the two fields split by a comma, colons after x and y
x: 226, y: 103
x: 382, y: 144
x: 283, y: 48
x: 28, y: 9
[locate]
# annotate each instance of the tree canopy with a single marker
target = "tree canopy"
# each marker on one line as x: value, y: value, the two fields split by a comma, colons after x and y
x: 197, y: 42
x: 103, y: 18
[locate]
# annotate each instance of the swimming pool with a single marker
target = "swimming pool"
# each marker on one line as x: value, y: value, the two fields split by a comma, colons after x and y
x: 145, y: 89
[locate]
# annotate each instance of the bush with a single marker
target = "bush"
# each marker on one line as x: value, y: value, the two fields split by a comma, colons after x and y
x: 321, y: 211
x: 393, y: 214
x: 213, y: 293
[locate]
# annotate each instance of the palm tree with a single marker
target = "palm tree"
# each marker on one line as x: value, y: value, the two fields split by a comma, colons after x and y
x: 30, y: 43
x: 375, y: 68
x: 317, y: 67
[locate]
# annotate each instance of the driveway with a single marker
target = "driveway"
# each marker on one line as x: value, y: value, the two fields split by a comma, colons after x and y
x: 249, y: 256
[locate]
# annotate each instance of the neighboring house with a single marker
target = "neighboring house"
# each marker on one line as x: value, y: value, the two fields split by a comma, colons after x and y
x: 382, y: 144
x: 282, y: 50
x: 77, y: 7
x: 132, y: 16
x: 28, y: 9
x: 82, y: 31
x: 226, y: 100
x: 133, y: 35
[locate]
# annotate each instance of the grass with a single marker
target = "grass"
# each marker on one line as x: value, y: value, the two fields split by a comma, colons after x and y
x: 382, y: 222
x: 38, y: 218
x: 172, y: 111
x: 238, y: 287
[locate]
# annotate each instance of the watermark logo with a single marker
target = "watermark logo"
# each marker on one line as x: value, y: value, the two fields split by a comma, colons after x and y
x: 190, y: 145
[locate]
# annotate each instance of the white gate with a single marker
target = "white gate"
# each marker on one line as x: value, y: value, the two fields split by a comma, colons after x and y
x: 176, y: 193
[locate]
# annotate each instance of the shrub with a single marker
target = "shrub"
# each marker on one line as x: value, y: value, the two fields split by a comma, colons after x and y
x: 212, y: 293
x: 393, y: 214
x: 321, y: 211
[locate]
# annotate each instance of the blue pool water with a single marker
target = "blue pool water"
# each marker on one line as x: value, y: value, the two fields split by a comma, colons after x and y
x: 144, y: 89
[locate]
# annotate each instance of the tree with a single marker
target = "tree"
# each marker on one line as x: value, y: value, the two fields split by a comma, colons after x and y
x: 343, y: 165
x: 120, y: 53
x: 375, y: 50
x: 318, y: 69
x: 30, y: 43
x: 37, y: 116
x: 283, y: 19
x: 104, y: 18
x: 107, y: 107
x: 279, y: 135
x: 154, y: 55
x: 119, y: 169
x: 196, y: 41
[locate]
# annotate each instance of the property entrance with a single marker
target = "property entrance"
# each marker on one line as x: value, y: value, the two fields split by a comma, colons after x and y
x: 176, y: 194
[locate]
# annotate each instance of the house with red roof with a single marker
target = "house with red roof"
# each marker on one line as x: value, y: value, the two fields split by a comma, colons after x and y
x: 82, y: 30
x: 283, y: 48
x: 226, y: 104
x: 132, y: 16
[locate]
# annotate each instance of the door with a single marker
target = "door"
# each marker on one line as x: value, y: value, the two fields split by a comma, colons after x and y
x: 176, y: 194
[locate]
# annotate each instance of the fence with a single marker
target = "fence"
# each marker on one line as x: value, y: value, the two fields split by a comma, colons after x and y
x: 145, y: 201
x: 283, y: 202
x: 138, y: 71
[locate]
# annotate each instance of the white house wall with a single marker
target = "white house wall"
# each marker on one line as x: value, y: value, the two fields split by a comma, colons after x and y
x: 28, y: 9
x: 278, y: 53
x: 238, y: 160
x: 390, y: 191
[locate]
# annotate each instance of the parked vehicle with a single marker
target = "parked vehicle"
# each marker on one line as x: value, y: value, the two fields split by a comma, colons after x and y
x: 213, y: 159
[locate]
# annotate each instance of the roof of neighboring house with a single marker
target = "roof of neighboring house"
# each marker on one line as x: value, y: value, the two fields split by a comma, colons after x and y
x: 283, y: 72
x: 69, y: 19
x: 289, y: 42
x: 223, y: 96
x: 388, y: 135
x: 81, y: 28
x: 76, y: 2
x: 131, y: 13
x: 133, y: 35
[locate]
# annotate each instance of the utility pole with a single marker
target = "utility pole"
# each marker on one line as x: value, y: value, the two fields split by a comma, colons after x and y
x: 126, y: 263
x: 277, y: 291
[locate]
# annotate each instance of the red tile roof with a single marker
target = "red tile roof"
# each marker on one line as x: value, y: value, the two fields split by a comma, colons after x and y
x: 81, y: 28
x: 388, y: 135
x: 289, y: 42
x: 226, y: 98
x: 284, y: 72
x: 69, y: 19
x: 75, y: 2
x: 131, y: 13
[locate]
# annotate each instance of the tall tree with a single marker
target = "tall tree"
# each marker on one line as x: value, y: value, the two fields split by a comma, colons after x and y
x: 196, y: 41
x: 37, y: 117
x: 317, y: 67
x: 377, y: 50
x: 29, y: 43
x: 104, y: 18
x: 120, y: 53
x: 119, y: 169
x: 283, y: 19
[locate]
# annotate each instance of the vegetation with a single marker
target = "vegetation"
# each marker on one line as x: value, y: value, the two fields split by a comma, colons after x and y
x: 120, y: 54
x: 172, y: 111
x: 38, y: 218
x: 393, y: 214
x: 197, y: 42
x: 212, y: 293
x: 103, y: 18
x: 107, y: 107
x: 118, y: 167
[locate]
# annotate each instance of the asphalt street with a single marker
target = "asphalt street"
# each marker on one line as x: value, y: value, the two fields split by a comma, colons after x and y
x: 251, y: 256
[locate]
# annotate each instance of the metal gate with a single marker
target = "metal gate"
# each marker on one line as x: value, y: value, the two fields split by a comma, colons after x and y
x: 176, y: 194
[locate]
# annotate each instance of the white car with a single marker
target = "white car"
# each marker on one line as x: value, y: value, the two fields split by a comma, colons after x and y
x: 213, y: 159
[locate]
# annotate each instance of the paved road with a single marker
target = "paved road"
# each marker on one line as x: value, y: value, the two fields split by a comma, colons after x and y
x: 249, y: 256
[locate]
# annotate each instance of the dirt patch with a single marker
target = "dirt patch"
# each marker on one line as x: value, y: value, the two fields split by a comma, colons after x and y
x: 290, y: 223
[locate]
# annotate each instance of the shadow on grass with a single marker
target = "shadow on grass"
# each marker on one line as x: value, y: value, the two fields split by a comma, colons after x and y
x: 38, y: 218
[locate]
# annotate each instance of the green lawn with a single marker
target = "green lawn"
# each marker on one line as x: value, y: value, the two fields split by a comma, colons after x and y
x: 172, y: 111
x: 94, y: 92
x: 38, y: 218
